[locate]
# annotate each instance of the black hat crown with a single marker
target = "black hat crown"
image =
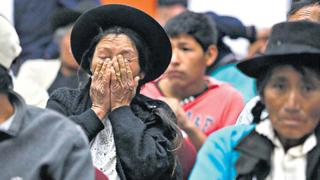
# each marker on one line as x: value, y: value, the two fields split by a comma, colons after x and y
x: 107, y: 16
x: 294, y: 38
x: 289, y: 42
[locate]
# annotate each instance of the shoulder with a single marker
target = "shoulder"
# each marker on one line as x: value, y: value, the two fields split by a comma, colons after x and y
x: 154, y: 107
x: 40, y: 64
x: 231, y: 134
x: 64, y: 95
x: 224, y: 89
x: 152, y: 104
x: 221, y: 85
x: 52, y: 123
x: 151, y: 90
x: 224, y: 140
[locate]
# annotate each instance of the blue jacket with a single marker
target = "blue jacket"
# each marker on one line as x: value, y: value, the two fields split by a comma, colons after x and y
x: 217, y: 157
x: 239, y: 152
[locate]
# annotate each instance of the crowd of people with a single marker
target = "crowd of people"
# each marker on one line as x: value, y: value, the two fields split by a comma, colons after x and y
x: 114, y: 93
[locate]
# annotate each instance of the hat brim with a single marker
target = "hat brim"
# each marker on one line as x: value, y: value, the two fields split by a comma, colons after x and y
x: 88, y: 24
x: 255, y: 66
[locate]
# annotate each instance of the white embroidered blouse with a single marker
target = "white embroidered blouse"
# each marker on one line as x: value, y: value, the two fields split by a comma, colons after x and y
x: 103, y: 151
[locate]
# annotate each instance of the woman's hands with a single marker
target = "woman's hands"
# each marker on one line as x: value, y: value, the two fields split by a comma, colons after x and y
x: 123, y: 85
x: 112, y: 85
x: 100, y: 88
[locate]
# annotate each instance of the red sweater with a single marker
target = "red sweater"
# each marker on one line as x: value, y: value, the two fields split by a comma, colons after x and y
x: 216, y: 108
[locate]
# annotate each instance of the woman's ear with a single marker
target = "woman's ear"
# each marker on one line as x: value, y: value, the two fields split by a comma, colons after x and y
x: 211, y: 55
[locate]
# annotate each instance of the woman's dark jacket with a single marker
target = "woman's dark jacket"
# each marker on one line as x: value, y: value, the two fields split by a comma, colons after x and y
x: 142, y: 141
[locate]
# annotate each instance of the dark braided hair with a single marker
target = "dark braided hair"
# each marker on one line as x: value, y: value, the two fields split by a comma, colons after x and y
x: 256, y: 111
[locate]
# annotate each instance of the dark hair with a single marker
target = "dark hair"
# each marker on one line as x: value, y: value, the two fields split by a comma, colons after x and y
x: 5, y: 80
x: 142, y: 48
x: 265, y: 76
x: 164, y: 3
x: 197, y: 25
x: 298, y: 4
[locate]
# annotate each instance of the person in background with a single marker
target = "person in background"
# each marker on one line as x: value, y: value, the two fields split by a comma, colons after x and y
x: 202, y: 104
x: 304, y: 10
x: 55, y: 73
x: 31, y: 19
x: 285, y: 145
x: 300, y: 10
x: 132, y: 136
x: 35, y: 143
x: 224, y: 67
x: 226, y: 25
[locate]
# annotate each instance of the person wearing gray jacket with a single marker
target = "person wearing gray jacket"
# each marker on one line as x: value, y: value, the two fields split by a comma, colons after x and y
x: 35, y: 143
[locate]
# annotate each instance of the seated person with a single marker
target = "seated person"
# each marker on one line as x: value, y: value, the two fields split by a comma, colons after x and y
x: 55, y: 73
x: 299, y: 10
x: 132, y: 136
x: 227, y: 26
x: 285, y: 145
x: 35, y: 143
x: 202, y: 104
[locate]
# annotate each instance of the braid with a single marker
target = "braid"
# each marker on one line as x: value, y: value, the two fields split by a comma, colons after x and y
x: 256, y: 111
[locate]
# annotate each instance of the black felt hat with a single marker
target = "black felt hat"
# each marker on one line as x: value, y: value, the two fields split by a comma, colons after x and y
x: 289, y: 42
x: 106, y: 16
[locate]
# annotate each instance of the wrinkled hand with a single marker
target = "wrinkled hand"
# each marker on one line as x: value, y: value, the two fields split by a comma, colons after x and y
x: 183, y: 121
x: 123, y: 85
x: 100, y: 88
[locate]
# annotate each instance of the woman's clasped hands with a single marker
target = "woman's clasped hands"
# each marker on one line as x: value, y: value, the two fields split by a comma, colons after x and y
x: 112, y: 86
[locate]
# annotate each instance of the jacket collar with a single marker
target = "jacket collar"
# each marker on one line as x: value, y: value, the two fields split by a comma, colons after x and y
x: 20, y: 109
x: 313, y: 157
x: 255, y: 152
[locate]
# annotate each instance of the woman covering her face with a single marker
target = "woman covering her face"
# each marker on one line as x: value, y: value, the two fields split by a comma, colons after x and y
x: 131, y: 136
x: 285, y: 144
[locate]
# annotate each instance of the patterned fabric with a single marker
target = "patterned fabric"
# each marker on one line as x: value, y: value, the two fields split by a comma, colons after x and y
x: 103, y: 151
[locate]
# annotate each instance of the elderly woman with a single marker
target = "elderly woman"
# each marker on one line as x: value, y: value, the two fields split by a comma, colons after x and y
x: 132, y: 136
x: 285, y: 144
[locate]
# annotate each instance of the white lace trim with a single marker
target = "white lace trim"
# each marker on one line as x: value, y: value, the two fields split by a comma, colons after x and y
x: 103, y: 151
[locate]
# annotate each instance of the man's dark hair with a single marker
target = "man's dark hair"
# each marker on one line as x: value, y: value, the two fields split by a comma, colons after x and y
x: 164, y: 3
x: 197, y: 25
x: 298, y: 4
x: 5, y: 80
